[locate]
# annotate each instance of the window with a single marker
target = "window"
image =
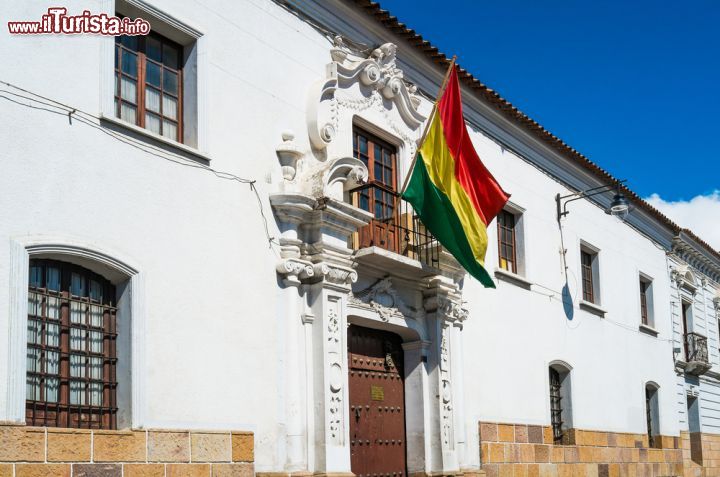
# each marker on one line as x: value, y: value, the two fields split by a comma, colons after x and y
x: 651, y: 413
x: 560, y: 405
x: 686, y: 316
x: 71, y: 347
x: 589, y: 269
x: 646, y: 301
x: 379, y: 157
x: 556, y: 405
x: 693, y: 422
x: 148, y: 83
x: 507, y: 254
x: 643, y: 302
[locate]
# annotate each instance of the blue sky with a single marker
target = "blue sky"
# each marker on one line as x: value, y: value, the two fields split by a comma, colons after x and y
x: 633, y: 85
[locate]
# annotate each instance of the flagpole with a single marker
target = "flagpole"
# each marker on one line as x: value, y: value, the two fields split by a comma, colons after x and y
x: 427, y: 127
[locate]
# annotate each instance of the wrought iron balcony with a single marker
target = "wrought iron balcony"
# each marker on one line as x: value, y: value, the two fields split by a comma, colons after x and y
x: 395, y: 227
x: 696, y: 354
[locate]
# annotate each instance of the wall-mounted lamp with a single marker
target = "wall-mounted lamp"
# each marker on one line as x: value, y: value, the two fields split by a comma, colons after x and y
x: 619, y: 207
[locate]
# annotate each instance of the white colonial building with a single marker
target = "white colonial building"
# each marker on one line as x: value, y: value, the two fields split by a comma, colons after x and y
x: 202, y: 249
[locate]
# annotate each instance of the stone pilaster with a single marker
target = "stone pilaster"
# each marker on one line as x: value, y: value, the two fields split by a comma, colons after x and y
x: 316, y: 259
x: 443, y: 305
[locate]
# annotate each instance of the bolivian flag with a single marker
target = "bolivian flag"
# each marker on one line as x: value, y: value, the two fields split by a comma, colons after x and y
x: 450, y: 189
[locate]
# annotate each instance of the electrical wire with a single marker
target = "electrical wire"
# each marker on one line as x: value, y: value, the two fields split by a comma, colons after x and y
x: 43, y: 103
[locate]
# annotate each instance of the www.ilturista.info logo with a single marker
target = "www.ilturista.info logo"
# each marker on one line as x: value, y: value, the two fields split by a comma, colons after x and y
x: 58, y: 21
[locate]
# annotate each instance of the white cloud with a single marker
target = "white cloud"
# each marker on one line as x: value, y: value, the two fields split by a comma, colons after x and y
x: 701, y: 214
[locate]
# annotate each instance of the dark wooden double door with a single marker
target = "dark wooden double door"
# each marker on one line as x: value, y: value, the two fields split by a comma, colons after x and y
x: 377, y: 403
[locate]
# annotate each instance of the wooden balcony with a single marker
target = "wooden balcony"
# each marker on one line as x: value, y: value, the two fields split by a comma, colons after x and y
x: 395, y: 228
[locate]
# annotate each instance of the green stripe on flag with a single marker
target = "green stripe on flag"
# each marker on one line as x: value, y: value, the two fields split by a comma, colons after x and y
x: 439, y: 217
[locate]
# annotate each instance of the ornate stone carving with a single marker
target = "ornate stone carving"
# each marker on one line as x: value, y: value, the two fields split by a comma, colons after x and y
x: 295, y: 269
x: 335, y: 373
x: 347, y: 170
x: 446, y: 390
x: 335, y: 274
x: 383, y: 299
x: 335, y: 417
x: 378, y: 73
x: 452, y: 309
x: 333, y: 326
x: 684, y: 278
x: 288, y: 154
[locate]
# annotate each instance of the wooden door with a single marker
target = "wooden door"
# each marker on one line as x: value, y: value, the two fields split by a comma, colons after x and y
x: 377, y: 403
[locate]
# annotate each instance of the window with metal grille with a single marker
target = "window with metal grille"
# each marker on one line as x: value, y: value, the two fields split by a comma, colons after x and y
x: 588, y: 284
x: 507, y: 253
x: 148, y: 83
x: 71, y: 350
x: 556, y: 409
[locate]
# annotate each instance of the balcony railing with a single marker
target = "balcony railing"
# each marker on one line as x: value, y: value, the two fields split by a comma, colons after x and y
x: 395, y: 227
x: 696, y: 353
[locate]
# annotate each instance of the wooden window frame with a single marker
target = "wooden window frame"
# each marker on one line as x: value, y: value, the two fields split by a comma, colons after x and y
x: 390, y: 189
x: 63, y: 413
x: 588, y: 284
x: 507, y: 249
x: 141, y: 85
x: 685, y: 306
x: 644, y: 314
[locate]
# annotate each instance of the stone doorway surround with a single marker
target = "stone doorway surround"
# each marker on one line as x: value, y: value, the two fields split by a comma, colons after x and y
x: 323, y: 287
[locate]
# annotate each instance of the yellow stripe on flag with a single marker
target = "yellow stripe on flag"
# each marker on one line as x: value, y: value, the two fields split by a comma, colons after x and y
x: 440, y: 166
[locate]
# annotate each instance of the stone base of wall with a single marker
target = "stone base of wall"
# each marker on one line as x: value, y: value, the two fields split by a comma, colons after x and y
x: 701, y: 454
x: 51, y: 452
x: 518, y: 450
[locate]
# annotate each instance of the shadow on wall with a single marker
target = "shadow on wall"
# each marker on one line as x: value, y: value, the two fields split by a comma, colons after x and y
x: 567, y: 302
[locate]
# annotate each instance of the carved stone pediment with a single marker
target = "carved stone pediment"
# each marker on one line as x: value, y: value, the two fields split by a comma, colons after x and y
x: 357, y: 83
x: 685, y: 278
x: 383, y: 299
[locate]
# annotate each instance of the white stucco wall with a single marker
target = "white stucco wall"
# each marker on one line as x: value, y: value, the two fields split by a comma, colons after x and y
x: 513, y: 333
x: 213, y: 357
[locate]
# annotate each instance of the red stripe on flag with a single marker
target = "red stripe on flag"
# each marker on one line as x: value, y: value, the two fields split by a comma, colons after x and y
x: 487, y: 196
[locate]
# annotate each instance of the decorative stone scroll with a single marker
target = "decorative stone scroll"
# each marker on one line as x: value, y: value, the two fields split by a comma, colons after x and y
x: 295, y: 269
x: 378, y: 74
x: 335, y: 274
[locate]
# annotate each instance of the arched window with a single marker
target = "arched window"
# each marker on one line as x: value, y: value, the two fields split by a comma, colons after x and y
x: 652, y: 414
x: 71, y: 347
x: 560, y: 403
